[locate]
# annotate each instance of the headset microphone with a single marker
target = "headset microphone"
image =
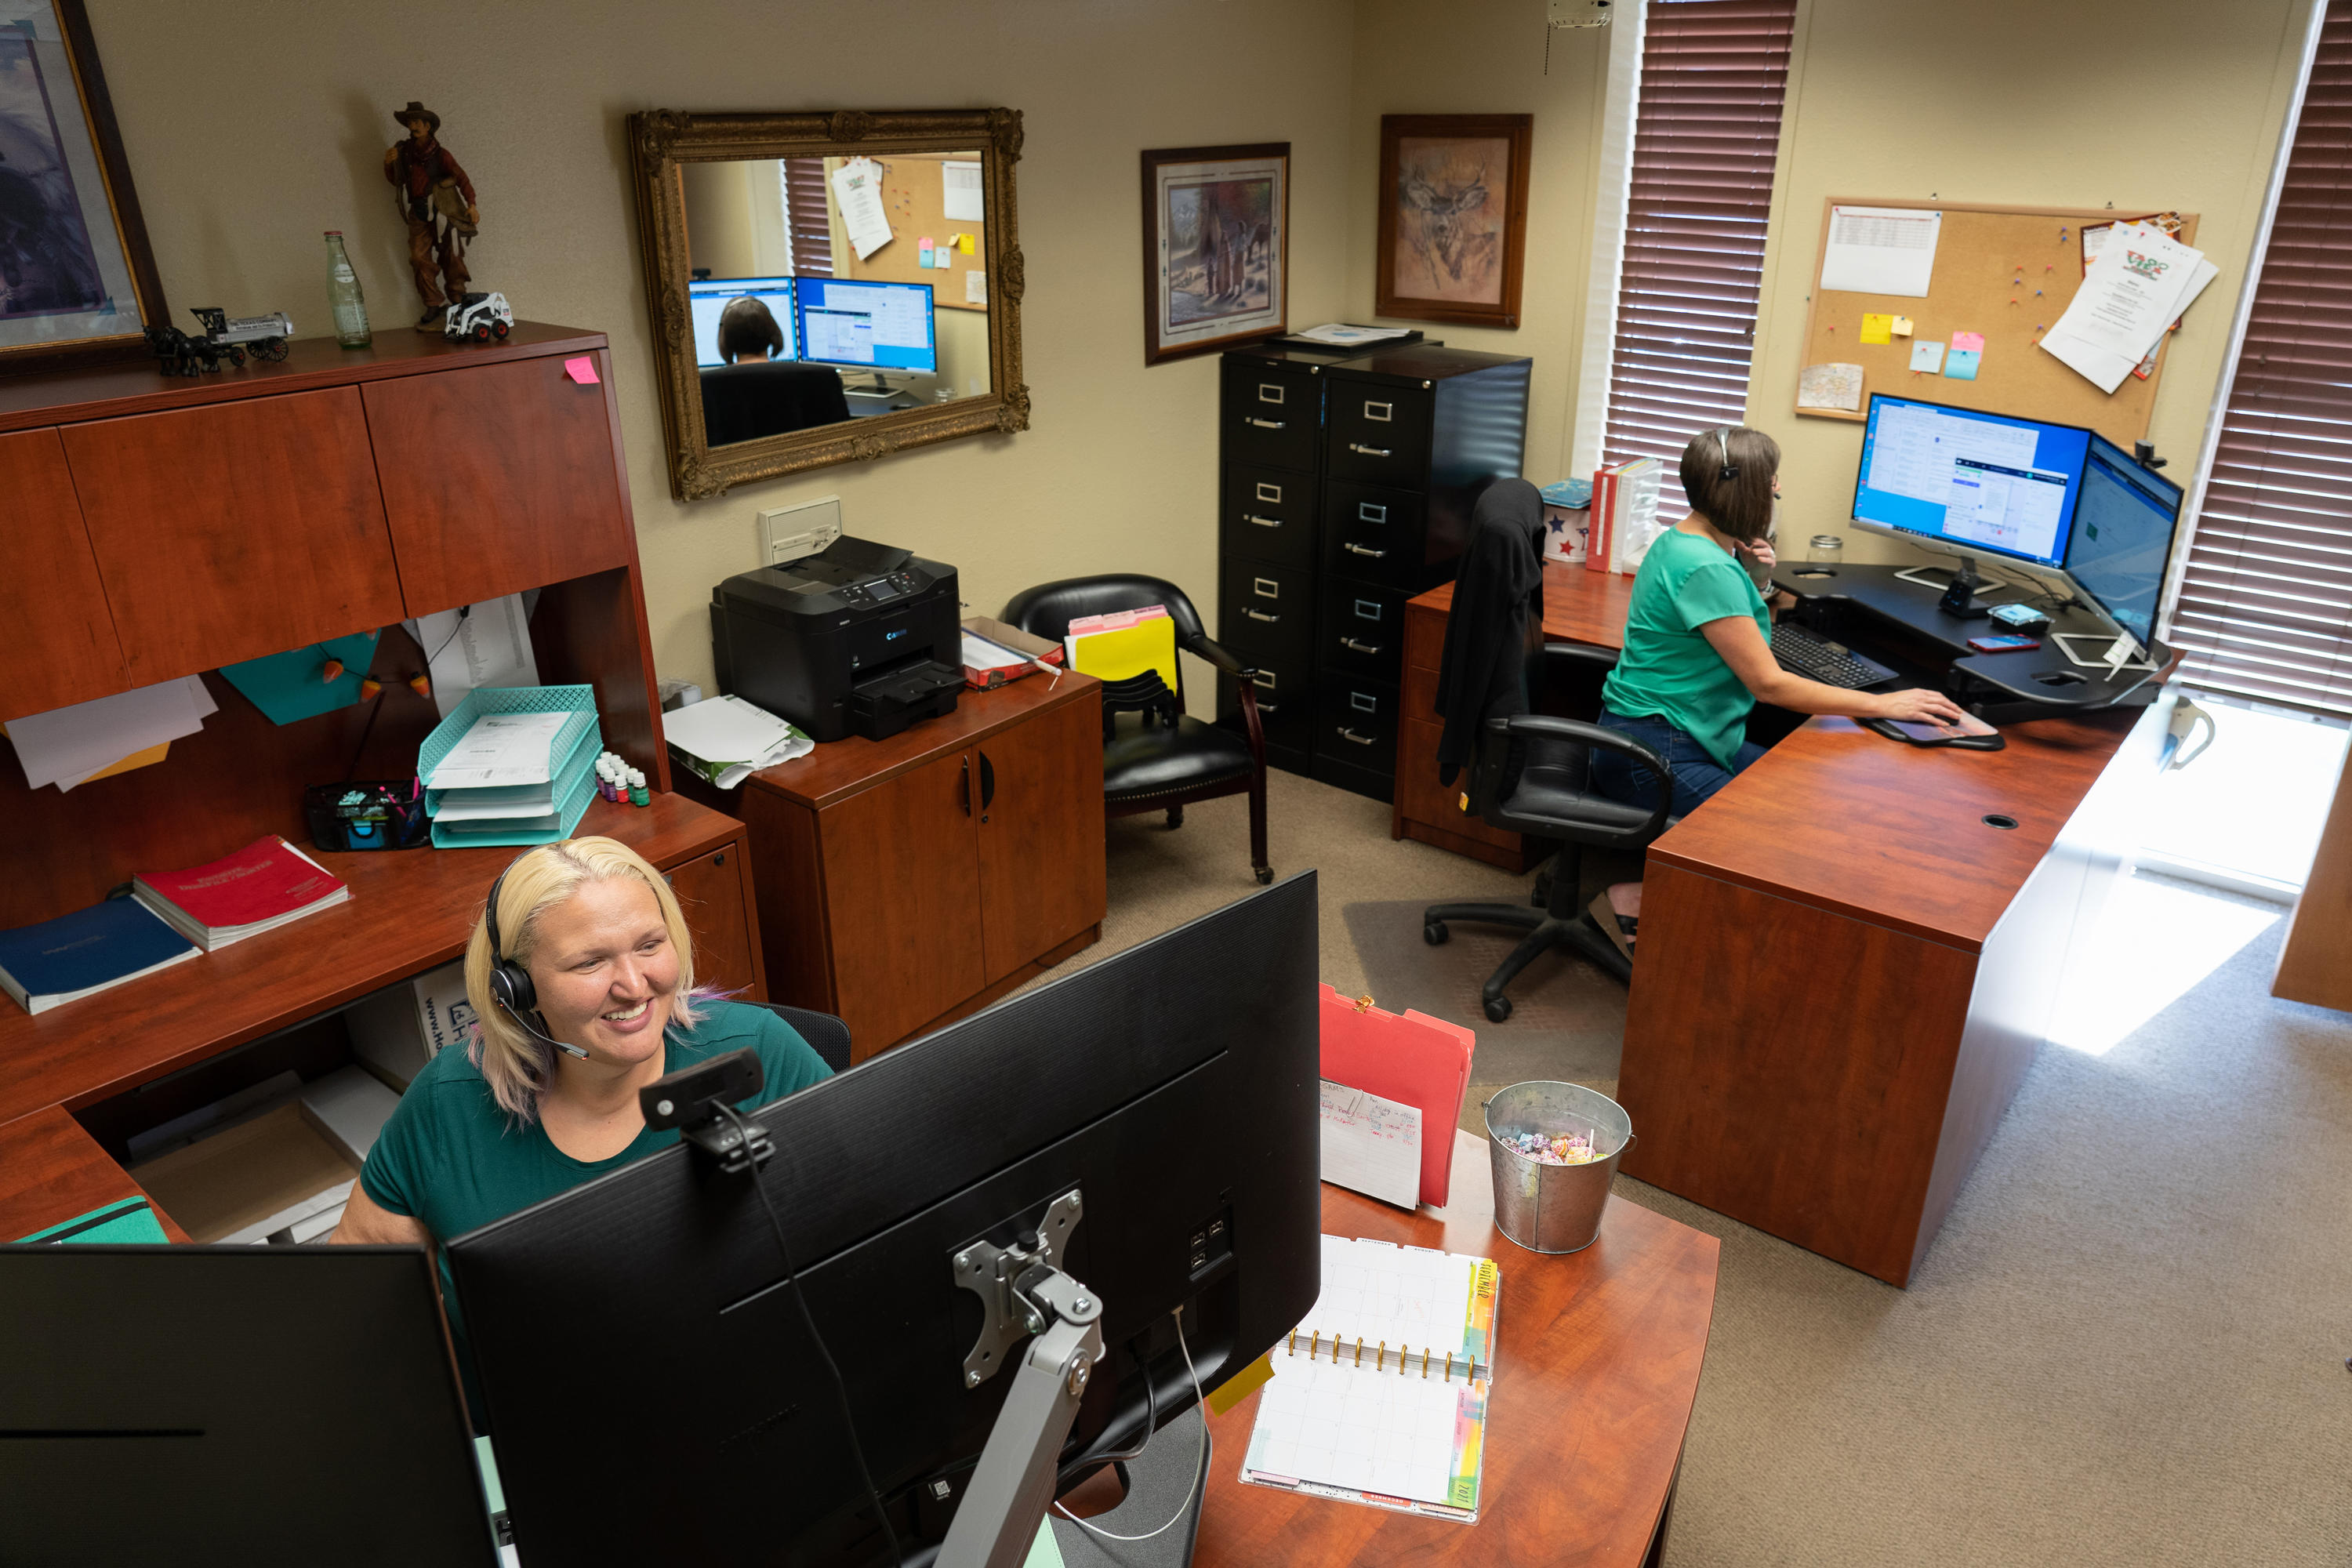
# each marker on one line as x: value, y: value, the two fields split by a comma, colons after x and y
x: 510, y: 982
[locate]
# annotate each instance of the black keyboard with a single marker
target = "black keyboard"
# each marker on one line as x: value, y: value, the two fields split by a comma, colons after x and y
x: 1814, y: 656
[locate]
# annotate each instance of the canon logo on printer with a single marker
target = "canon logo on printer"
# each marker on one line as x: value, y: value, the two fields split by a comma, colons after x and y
x: 894, y: 636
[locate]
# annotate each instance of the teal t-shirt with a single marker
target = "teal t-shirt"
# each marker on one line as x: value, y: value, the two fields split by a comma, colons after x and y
x: 451, y: 1158
x: 1668, y: 669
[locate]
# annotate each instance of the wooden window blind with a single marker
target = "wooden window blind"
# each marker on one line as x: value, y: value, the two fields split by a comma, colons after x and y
x: 2266, y: 593
x: 1707, y: 139
x: 805, y: 224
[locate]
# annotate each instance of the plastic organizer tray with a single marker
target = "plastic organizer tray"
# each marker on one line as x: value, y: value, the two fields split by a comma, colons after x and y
x: 575, y: 747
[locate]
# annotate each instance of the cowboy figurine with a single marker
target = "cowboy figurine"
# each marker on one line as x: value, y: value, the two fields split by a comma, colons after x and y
x: 432, y: 186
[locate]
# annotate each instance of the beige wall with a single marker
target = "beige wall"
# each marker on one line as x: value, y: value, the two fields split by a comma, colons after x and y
x: 2143, y: 103
x: 1119, y: 471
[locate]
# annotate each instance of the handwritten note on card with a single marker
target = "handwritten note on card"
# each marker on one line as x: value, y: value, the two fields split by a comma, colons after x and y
x: 1371, y: 1144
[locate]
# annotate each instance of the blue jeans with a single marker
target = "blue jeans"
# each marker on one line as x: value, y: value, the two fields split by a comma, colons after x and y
x: 1696, y: 776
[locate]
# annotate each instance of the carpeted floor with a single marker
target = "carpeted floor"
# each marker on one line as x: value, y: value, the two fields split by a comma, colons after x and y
x: 2128, y: 1344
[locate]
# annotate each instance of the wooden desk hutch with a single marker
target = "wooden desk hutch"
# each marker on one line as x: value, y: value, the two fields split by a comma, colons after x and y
x: 158, y: 528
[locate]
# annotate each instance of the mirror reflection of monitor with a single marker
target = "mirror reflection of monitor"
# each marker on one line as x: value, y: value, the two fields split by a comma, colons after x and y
x: 867, y: 325
x: 707, y: 297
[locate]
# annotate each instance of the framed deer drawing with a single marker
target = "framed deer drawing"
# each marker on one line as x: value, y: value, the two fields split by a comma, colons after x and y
x: 1216, y: 247
x: 1454, y: 217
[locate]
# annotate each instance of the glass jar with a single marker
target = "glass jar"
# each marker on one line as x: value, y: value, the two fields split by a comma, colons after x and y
x: 1826, y: 550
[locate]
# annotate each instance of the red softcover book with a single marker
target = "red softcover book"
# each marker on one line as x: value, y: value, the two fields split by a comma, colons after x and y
x: 261, y: 881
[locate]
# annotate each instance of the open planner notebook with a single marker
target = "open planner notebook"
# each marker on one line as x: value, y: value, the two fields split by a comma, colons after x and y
x: 1380, y: 1395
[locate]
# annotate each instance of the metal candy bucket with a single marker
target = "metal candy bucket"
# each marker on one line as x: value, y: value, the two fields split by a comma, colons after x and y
x: 1553, y: 1209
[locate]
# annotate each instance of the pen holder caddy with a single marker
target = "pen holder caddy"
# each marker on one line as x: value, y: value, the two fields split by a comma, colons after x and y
x: 367, y: 814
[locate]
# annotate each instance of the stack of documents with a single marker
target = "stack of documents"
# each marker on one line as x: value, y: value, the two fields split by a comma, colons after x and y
x: 727, y: 740
x: 1123, y: 645
x: 1340, y: 335
x: 2141, y: 282
x: 71, y: 746
x: 89, y: 951
x: 511, y: 765
x: 1380, y: 1395
x: 267, y: 884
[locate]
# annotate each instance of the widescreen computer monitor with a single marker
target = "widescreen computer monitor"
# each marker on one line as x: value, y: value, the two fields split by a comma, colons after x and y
x: 1968, y: 483
x: 868, y: 326
x: 653, y: 1392
x: 2121, y: 538
x: 706, y: 296
x: 232, y: 1405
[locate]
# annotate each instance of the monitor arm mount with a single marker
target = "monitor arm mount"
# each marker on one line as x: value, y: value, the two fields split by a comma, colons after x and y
x: 1023, y: 1294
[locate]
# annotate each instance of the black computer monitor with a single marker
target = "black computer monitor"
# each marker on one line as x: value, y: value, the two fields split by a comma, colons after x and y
x: 231, y: 1405
x: 861, y: 324
x: 652, y: 1391
x: 2121, y: 538
x: 1966, y: 482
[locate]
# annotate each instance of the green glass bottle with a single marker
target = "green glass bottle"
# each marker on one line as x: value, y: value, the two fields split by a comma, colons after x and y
x: 343, y: 295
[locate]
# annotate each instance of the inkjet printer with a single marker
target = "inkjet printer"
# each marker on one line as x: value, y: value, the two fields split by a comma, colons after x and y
x: 860, y: 639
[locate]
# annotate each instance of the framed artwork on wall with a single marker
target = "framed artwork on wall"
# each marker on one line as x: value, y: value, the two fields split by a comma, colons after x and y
x: 1216, y: 247
x: 1454, y: 217
x: 78, y: 283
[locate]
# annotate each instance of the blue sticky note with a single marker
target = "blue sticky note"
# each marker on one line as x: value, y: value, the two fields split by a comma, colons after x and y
x: 286, y: 685
x: 128, y: 1221
x: 1960, y: 365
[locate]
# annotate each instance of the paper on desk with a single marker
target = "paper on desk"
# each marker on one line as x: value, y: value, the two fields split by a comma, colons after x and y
x: 979, y: 653
x: 67, y: 746
x: 727, y: 740
x: 486, y: 644
x: 502, y: 750
x: 858, y: 188
x: 1339, y: 335
x: 1881, y: 250
x: 1371, y: 1144
x: 960, y: 199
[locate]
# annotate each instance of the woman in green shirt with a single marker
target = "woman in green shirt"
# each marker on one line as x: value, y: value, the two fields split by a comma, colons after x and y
x: 544, y: 1096
x: 1698, y: 654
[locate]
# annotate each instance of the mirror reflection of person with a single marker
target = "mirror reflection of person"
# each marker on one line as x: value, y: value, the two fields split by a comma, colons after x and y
x: 507, y: 1119
x: 754, y: 394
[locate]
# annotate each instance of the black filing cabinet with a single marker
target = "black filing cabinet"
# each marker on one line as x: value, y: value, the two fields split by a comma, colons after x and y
x: 1410, y: 437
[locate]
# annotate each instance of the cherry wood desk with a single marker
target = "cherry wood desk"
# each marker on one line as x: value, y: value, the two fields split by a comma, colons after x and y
x: 409, y: 910
x: 1848, y: 962
x: 1596, y: 1372
x: 1579, y: 606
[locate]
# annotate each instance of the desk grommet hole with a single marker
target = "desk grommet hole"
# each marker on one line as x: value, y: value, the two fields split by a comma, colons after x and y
x: 1999, y: 820
x: 1811, y: 571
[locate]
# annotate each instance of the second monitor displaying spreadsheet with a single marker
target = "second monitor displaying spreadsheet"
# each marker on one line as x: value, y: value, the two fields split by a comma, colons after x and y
x: 1969, y: 482
x: 867, y: 325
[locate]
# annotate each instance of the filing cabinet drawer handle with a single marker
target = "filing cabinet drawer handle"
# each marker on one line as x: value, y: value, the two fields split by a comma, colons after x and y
x: 1260, y: 615
x: 1355, y: 549
x: 1382, y: 416
x: 1369, y: 451
x: 1356, y: 646
x: 1278, y: 424
x: 1269, y: 708
x: 1348, y: 734
x: 1269, y: 492
x: 1262, y: 521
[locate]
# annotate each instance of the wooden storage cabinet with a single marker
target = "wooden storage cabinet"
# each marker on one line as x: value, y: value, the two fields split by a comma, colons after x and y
x: 903, y: 883
x: 52, y: 600
x: 720, y: 912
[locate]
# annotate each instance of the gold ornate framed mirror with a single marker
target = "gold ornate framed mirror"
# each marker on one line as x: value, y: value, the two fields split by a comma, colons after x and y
x: 828, y: 287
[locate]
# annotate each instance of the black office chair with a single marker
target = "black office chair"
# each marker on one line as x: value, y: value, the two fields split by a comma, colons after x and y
x: 1528, y: 774
x: 827, y: 1036
x: 1148, y: 763
x: 767, y: 398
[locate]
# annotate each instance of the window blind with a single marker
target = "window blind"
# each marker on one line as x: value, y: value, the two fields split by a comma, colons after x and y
x: 807, y: 226
x: 1707, y: 138
x: 2266, y: 593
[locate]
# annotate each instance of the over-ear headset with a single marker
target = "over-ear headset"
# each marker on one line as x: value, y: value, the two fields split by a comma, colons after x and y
x: 1723, y: 444
x: 510, y: 982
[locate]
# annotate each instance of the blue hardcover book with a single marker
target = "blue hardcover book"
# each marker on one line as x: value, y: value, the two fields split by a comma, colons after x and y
x: 85, y: 952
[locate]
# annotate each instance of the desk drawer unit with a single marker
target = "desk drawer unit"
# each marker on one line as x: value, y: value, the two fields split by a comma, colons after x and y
x: 1362, y: 631
x: 1267, y: 514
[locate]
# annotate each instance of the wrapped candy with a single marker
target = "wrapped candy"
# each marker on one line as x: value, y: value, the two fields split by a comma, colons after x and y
x: 1562, y: 1149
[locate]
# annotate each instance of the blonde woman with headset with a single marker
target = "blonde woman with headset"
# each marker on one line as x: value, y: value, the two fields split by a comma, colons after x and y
x: 1698, y: 647
x: 581, y: 973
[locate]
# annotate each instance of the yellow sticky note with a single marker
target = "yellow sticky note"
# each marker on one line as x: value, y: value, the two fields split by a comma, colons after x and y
x: 1876, y: 328
x: 1242, y: 1384
x: 1902, y: 326
x: 963, y: 243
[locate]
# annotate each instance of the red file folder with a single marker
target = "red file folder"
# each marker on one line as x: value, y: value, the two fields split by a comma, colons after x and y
x: 1413, y: 1059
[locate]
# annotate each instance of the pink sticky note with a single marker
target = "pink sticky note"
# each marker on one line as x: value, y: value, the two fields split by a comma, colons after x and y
x: 581, y: 369
x: 1969, y: 343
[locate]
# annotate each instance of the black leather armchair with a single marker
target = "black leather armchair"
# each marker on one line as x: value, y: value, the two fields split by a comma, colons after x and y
x: 1529, y: 774
x: 1150, y: 764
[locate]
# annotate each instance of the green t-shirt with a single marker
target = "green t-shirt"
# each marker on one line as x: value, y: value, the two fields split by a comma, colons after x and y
x: 452, y: 1159
x: 1668, y: 669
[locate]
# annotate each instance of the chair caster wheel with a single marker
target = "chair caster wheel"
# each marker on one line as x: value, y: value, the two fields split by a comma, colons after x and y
x: 1434, y: 934
x: 1265, y: 874
x: 1499, y: 1009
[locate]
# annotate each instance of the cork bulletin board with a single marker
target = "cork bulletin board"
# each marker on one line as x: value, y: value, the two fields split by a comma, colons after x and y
x: 914, y: 195
x: 2007, y: 273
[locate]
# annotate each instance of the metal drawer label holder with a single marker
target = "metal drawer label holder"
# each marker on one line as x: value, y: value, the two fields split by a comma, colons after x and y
x: 1371, y: 512
x: 1269, y: 492
x: 1265, y: 587
x: 1269, y: 391
x: 1382, y: 416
